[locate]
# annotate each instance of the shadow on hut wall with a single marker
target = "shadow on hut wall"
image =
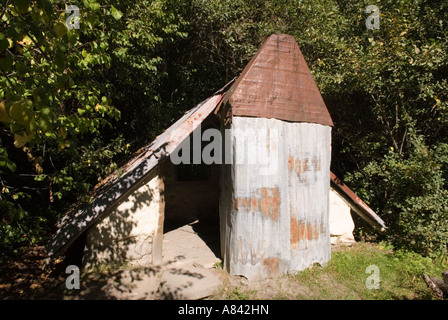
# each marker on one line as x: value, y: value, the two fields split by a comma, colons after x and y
x: 120, y: 236
x: 115, y: 241
x: 117, y: 223
x: 168, y: 197
x: 125, y: 236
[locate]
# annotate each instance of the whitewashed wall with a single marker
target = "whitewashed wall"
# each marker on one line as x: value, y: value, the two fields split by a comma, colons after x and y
x: 341, y: 222
x: 132, y: 232
x: 274, y: 208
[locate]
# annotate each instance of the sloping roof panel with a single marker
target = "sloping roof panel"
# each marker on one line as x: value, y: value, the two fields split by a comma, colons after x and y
x: 357, y: 205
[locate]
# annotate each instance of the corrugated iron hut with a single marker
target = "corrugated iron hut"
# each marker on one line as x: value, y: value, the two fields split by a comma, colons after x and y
x: 263, y: 180
x: 276, y: 220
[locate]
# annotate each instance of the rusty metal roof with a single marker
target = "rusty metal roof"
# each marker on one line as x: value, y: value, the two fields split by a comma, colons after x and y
x: 357, y: 205
x: 277, y: 83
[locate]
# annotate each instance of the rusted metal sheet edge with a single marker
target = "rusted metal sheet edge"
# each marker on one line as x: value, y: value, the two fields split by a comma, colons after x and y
x: 359, y: 206
x: 72, y: 225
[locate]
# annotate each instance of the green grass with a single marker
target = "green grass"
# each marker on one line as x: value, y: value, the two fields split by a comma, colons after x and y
x: 238, y: 294
x: 345, y: 276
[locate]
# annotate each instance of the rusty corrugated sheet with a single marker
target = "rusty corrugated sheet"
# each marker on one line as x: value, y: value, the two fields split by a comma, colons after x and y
x: 118, y: 185
x: 357, y: 205
x: 277, y: 83
x: 275, y: 221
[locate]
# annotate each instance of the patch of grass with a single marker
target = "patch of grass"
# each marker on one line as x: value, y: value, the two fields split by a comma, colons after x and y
x: 238, y: 294
x: 108, y: 267
x: 218, y: 265
x: 347, y: 275
x: 281, y: 296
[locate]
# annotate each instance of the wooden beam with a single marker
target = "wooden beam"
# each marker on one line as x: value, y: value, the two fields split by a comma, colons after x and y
x: 157, y: 243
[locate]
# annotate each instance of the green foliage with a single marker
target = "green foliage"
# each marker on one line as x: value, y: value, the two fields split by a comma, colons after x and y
x: 237, y: 294
x: 386, y: 92
x: 61, y: 130
x: 416, y: 209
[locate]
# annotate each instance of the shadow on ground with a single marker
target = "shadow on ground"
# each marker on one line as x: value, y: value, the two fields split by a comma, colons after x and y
x: 126, y: 283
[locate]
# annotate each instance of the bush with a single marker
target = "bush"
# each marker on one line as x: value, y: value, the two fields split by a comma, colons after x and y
x: 424, y: 223
x: 410, y: 194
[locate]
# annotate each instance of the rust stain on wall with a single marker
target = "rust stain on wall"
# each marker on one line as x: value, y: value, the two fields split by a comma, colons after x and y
x: 298, y: 167
x: 264, y: 200
x: 315, y: 231
x: 270, y: 202
x: 268, y: 141
x: 254, y: 204
x: 294, y: 233
x: 303, y: 165
x: 309, y: 234
x: 290, y: 163
x: 245, y: 202
x: 271, y: 265
x: 300, y: 230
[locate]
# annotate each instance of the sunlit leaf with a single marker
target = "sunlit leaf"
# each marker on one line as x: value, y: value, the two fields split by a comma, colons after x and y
x: 117, y: 14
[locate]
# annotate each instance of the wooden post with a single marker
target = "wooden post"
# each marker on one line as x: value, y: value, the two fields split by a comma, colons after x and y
x: 157, y: 250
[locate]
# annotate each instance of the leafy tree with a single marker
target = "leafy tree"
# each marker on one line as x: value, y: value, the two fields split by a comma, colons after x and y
x: 61, y: 129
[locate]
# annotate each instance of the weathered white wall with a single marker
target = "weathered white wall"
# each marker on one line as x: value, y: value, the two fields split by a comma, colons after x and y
x: 274, y: 209
x: 341, y: 222
x: 131, y: 232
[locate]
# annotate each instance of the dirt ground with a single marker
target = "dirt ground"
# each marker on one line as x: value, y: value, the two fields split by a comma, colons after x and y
x: 191, y: 272
x: 187, y: 272
x: 24, y: 277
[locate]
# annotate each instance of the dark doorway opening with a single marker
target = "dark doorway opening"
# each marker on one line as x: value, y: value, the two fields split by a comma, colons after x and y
x: 192, y: 196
